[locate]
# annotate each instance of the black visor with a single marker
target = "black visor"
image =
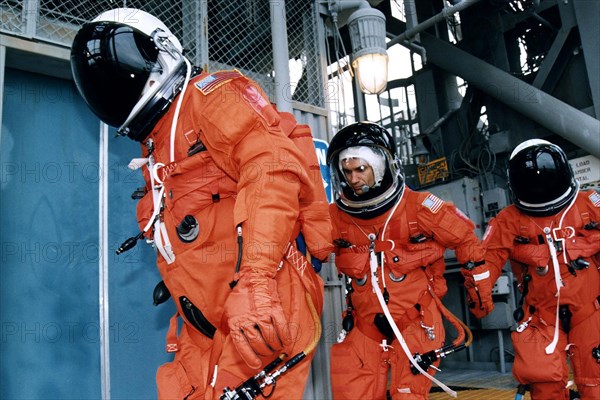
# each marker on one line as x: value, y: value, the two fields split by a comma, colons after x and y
x: 111, y: 63
x: 541, y: 180
x: 540, y: 177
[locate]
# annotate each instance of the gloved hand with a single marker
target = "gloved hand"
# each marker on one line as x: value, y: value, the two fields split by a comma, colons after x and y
x: 256, y: 320
x: 435, y: 273
x: 534, y: 255
x: 479, y: 290
x: 405, y: 257
x: 351, y: 260
x: 583, y: 246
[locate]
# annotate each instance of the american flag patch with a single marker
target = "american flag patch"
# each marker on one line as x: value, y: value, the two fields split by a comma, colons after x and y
x: 595, y: 199
x: 213, y: 81
x: 433, y: 203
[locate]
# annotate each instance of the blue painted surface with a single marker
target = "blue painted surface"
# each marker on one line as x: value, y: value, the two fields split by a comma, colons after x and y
x: 137, y: 347
x: 49, y: 260
x: 49, y: 242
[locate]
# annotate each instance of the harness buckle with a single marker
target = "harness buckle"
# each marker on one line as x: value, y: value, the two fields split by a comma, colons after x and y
x: 429, y: 330
x: 522, y: 326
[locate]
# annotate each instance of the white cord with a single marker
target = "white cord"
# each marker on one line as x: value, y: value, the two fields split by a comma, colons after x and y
x: 158, y: 191
x: 386, y: 310
x: 188, y: 75
x: 550, y: 238
x: 564, y: 242
x: 559, y: 284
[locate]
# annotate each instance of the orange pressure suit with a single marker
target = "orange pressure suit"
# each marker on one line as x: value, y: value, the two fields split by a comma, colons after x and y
x: 360, y: 364
x: 235, y: 166
x: 521, y: 239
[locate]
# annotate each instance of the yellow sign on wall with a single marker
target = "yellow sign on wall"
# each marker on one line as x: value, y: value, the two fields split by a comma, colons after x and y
x: 433, y: 171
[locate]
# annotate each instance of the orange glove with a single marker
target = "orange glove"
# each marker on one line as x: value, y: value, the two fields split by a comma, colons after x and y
x: 351, y: 260
x: 405, y: 257
x: 583, y: 246
x: 256, y: 319
x: 535, y: 255
x: 479, y: 290
x: 435, y: 272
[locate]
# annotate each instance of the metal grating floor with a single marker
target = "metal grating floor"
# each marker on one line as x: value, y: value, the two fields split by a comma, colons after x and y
x: 479, y: 385
x: 476, y: 385
x: 479, y: 394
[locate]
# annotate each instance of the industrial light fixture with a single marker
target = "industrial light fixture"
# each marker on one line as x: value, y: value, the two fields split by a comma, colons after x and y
x: 369, y: 59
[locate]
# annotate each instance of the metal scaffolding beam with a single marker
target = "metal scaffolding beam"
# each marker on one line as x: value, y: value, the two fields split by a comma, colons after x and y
x: 548, y: 111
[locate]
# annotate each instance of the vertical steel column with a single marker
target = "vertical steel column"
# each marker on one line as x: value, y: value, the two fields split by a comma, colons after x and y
x: 202, y: 57
x: 30, y: 16
x: 281, y: 58
x: 2, y: 68
x: 410, y: 14
x: 194, y: 29
x: 321, y: 43
x: 501, y: 351
x: 103, y: 304
x: 360, y: 108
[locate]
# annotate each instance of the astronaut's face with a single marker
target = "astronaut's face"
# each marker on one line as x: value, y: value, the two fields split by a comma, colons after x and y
x: 358, y: 174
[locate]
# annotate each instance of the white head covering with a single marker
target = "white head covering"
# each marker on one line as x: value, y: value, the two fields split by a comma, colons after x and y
x: 373, y: 158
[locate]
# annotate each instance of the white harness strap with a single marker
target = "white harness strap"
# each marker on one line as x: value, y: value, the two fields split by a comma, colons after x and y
x: 162, y: 242
x: 188, y: 73
x: 386, y: 310
x: 559, y: 284
x: 557, y: 279
x: 161, y: 238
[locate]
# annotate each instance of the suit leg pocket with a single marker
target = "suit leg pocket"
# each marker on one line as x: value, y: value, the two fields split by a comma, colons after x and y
x: 172, y: 382
x: 530, y: 354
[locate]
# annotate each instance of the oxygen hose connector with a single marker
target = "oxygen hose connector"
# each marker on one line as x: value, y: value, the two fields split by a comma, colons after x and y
x: 188, y: 229
x: 129, y: 243
x: 426, y: 360
x: 596, y: 353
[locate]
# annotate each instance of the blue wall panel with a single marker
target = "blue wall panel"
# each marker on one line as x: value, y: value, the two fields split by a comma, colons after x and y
x: 50, y: 245
x: 49, y: 242
x: 138, y: 347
